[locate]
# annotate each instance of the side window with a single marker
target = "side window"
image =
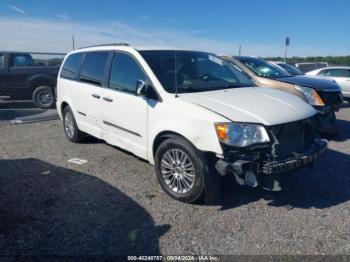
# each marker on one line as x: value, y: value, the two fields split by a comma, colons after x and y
x: 322, y: 72
x: 22, y: 60
x: 71, y: 66
x: 124, y: 73
x: 2, y: 61
x: 93, y: 68
x: 335, y: 72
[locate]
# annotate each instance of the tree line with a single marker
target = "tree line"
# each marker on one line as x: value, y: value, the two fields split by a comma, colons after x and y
x: 331, y: 60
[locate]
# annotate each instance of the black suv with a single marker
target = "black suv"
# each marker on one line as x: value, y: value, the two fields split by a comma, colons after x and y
x: 29, y: 77
x: 324, y: 95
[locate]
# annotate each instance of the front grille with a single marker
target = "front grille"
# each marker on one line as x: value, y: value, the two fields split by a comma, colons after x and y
x: 288, y: 138
x: 331, y: 98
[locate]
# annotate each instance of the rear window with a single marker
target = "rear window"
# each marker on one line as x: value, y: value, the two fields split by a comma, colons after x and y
x: 71, y: 66
x: 21, y: 60
x: 93, y: 68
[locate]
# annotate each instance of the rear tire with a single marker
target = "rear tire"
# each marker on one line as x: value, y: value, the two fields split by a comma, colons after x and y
x: 70, y: 126
x: 181, y: 169
x: 44, y: 97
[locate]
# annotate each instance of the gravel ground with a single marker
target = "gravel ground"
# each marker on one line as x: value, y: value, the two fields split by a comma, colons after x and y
x: 113, y: 204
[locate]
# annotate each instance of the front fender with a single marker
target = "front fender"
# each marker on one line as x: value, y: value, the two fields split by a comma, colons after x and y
x: 200, y: 133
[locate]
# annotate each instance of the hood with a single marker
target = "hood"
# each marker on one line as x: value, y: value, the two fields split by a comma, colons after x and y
x: 253, y: 105
x: 316, y: 83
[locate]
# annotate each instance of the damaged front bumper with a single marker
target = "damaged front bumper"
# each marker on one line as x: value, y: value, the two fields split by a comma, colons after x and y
x: 260, y: 171
x: 297, y: 161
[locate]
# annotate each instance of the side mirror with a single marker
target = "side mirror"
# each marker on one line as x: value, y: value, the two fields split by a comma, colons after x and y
x: 141, y: 87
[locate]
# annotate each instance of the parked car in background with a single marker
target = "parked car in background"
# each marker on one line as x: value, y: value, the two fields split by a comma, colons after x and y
x: 340, y: 74
x: 306, y: 67
x: 29, y: 77
x: 192, y: 114
x: 324, y: 95
x: 289, y: 68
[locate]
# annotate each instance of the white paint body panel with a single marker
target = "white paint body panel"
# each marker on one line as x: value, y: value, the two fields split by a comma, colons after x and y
x: 343, y: 82
x: 190, y: 115
x: 129, y: 112
x: 253, y: 105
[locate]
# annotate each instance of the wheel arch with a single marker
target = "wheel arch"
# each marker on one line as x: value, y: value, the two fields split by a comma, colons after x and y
x: 64, y: 104
x: 41, y: 80
x: 165, y: 135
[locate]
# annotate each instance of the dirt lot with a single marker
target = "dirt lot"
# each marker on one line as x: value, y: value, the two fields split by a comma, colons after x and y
x: 113, y: 204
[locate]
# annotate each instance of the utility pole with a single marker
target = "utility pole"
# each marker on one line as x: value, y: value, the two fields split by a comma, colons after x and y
x: 287, y: 44
x: 240, y: 50
x: 73, y: 42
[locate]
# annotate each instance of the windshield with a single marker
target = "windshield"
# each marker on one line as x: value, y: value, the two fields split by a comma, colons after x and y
x: 194, y: 71
x: 262, y: 68
x: 290, y: 69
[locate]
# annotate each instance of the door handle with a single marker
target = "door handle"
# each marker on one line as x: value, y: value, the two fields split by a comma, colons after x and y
x: 108, y: 99
x: 96, y: 96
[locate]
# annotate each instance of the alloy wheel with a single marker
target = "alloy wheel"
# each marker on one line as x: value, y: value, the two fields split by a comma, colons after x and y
x: 177, y: 171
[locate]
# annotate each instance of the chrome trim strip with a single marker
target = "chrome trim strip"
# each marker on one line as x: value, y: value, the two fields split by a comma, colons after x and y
x: 122, y: 128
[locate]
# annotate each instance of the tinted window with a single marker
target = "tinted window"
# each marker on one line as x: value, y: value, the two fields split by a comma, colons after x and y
x: 262, y: 68
x: 124, y: 73
x: 93, y: 67
x: 2, y: 61
x: 291, y: 69
x: 22, y: 60
x: 334, y: 72
x: 71, y: 66
x: 187, y: 71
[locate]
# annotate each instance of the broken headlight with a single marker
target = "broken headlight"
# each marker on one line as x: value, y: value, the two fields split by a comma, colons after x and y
x: 240, y: 134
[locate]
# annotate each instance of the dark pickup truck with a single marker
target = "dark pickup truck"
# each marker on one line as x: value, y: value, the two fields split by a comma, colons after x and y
x: 29, y: 77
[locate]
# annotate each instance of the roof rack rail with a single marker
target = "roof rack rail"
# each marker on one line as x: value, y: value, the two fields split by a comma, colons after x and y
x: 113, y: 44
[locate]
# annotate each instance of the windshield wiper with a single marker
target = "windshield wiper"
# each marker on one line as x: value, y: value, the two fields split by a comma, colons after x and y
x: 236, y: 86
x: 187, y: 89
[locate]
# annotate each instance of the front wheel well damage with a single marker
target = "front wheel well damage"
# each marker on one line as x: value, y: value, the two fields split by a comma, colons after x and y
x: 162, y: 136
x: 170, y: 134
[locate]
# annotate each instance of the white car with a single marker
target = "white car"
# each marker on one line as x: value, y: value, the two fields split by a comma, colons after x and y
x: 340, y: 74
x: 193, y: 115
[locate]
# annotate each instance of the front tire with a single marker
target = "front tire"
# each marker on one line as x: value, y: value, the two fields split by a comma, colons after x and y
x: 70, y: 126
x: 180, y: 169
x: 44, y: 97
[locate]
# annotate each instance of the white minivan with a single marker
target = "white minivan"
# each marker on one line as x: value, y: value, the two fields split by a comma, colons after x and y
x: 193, y: 115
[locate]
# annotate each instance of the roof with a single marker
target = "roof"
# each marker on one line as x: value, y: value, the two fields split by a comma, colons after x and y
x: 245, y: 57
x: 336, y: 67
x: 33, y: 53
x: 126, y: 47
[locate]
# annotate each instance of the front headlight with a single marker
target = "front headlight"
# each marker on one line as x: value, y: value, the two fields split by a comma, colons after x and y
x: 310, y: 95
x: 241, y: 135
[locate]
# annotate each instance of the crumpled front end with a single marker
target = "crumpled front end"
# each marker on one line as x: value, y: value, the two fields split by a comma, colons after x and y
x: 293, y: 146
x: 324, y: 121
